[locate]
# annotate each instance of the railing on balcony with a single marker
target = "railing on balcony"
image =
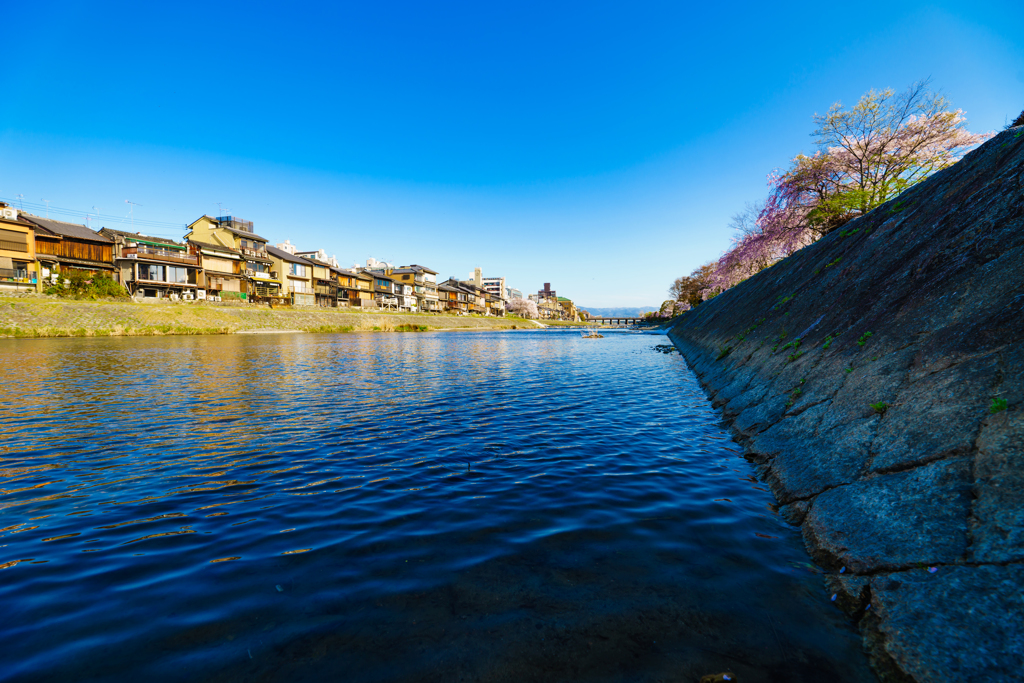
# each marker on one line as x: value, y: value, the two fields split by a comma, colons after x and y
x: 171, y: 255
x: 326, y: 290
x: 295, y: 288
x: 21, y: 276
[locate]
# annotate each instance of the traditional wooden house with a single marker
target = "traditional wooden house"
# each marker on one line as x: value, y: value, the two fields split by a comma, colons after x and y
x: 354, y: 288
x: 423, y: 281
x: 62, y: 247
x: 297, y: 274
x: 476, y: 296
x: 226, y: 235
x: 18, y: 268
x: 221, y: 271
x: 495, y: 304
x: 385, y: 290
x: 325, y: 283
x: 451, y: 299
x: 154, y: 266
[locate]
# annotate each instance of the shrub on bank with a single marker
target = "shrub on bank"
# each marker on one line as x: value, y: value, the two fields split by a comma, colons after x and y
x: 79, y: 284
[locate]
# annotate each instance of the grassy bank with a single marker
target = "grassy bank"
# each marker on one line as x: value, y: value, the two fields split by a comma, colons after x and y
x: 40, y: 316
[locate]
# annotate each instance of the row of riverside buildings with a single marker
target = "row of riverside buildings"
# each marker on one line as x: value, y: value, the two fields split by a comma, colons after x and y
x: 223, y: 259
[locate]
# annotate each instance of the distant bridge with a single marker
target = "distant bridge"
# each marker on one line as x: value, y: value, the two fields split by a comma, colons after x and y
x: 616, y: 320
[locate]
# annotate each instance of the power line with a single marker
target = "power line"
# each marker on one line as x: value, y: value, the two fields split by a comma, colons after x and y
x: 74, y: 213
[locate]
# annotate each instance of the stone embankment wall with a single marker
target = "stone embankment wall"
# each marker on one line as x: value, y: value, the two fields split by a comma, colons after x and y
x: 41, y: 316
x: 877, y: 379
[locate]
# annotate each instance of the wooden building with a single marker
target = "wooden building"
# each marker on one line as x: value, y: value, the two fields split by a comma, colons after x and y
x: 19, y: 270
x: 154, y: 266
x: 61, y: 247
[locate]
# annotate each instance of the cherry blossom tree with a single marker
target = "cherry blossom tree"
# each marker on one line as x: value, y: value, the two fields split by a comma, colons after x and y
x: 866, y: 155
x: 524, y: 308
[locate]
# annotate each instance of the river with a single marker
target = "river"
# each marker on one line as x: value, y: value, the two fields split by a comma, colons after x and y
x: 476, y: 506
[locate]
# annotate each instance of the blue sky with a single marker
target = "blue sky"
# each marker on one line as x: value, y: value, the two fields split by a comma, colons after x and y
x: 601, y: 147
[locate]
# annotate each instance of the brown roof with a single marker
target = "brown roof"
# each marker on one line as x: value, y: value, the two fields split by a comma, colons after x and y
x: 285, y: 256
x: 218, y: 247
x: 72, y: 230
x: 138, y: 236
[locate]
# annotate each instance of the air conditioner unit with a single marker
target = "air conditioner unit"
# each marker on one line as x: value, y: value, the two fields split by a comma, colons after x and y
x: 9, y: 212
x: 250, y: 272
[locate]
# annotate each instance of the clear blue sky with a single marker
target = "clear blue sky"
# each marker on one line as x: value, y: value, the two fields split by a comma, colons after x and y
x: 598, y: 146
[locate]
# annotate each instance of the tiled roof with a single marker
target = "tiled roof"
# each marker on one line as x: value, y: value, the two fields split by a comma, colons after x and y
x: 423, y: 268
x: 214, y: 247
x: 244, y: 233
x: 73, y: 230
x: 285, y: 256
x: 139, y: 236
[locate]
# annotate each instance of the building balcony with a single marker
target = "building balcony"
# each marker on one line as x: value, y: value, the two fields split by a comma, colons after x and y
x: 255, y: 253
x: 19, y: 276
x: 157, y: 254
x: 296, y: 288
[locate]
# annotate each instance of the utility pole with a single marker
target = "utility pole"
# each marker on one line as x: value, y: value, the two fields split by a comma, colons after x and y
x: 131, y: 212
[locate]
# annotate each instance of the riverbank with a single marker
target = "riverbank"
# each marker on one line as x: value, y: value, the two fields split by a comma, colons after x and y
x: 876, y: 378
x: 41, y: 316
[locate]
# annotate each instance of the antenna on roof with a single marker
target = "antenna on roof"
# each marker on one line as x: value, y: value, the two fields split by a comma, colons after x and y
x: 220, y: 209
x: 21, y: 204
x: 47, y: 206
x: 131, y: 211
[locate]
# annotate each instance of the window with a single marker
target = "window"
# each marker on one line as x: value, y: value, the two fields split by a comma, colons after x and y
x: 297, y: 269
x: 149, y: 271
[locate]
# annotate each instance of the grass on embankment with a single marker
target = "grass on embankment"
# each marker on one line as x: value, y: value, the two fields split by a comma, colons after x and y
x: 42, y: 316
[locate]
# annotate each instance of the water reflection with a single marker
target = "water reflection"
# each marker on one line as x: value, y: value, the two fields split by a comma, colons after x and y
x: 495, y: 506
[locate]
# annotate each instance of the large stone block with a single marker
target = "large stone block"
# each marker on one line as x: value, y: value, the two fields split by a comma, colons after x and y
x: 893, y: 521
x: 938, y: 415
x: 804, y: 466
x: 956, y: 624
x: 998, y: 521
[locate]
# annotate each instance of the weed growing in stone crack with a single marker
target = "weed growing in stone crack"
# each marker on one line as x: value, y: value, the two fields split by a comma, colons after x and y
x: 782, y: 300
x: 849, y: 370
x: 816, y: 272
x: 723, y: 352
x: 874, y: 358
x: 880, y: 407
x: 828, y: 343
x: 837, y: 260
x: 793, y: 356
x: 898, y: 206
x: 848, y: 233
x: 998, y: 405
x: 795, y: 344
x: 863, y: 339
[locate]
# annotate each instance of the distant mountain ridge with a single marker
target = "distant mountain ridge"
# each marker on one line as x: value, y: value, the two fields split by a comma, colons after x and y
x: 624, y: 312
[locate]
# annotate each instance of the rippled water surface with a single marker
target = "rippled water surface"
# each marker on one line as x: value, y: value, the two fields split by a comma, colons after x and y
x: 498, y: 506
